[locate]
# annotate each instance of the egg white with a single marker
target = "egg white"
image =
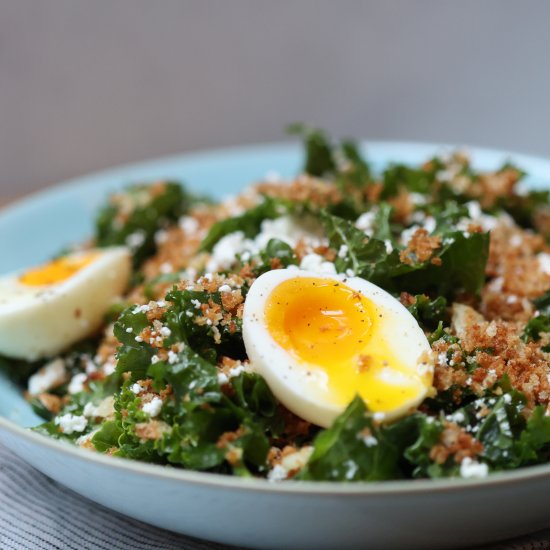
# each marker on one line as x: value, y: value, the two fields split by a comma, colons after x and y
x: 38, y: 321
x: 301, y: 387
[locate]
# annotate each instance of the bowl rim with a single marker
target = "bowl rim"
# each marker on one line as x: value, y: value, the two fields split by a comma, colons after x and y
x: 208, y: 479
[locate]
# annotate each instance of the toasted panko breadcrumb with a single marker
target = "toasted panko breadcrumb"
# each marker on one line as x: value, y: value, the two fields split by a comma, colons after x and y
x: 455, y: 442
x: 303, y: 189
x: 420, y: 248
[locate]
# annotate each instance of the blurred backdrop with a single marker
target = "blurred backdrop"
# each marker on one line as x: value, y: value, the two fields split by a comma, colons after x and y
x: 85, y: 85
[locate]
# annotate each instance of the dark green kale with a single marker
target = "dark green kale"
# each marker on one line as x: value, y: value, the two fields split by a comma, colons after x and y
x: 132, y: 217
x: 319, y: 151
x: 355, y: 448
x: 462, y: 266
x: 189, y: 429
x: 540, y: 324
x: 430, y: 313
x: 412, y: 179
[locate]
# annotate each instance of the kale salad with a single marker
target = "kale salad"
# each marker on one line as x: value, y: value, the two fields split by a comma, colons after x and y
x: 172, y: 377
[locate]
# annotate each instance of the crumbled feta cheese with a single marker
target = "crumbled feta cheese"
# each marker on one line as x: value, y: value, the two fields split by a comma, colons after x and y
x: 155, y: 359
x: 224, y: 288
x: 458, y: 417
x: 343, y: 251
x: 370, y: 441
x: 516, y: 240
x: 188, y: 224
x: 49, y: 376
x: 544, y: 262
x: 165, y: 331
x: 109, y: 367
x: 389, y: 246
x: 222, y: 378
x: 471, y: 468
x: 317, y: 264
x: 161, y: 236
x: 138, y: 339
x: 418, y: 199
x: 142, y: 309
x: 278, y: 473
x: 90, y: 410
x: 365, y: 222
x: 196, y: 304
x: 70, y: 423
x: 129, y: 330
x: 172, y: 357
x: 507, y: 398
x: 135, y: 240
x: 153, y: 407
x: 351, y: 468
x: 136, y: 388
x: 166, y: 268
x: 76, y: 384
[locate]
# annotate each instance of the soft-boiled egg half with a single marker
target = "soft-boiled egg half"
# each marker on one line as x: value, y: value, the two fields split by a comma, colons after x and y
x: 46, y: 309
x: 320, y: 340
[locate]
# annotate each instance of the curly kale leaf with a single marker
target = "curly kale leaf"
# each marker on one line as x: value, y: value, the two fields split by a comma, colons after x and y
x: 429, y: 313
x: 341, y: 161
x: 412, y: 179
x: 193, y: 419
x: 509, y: 440
x: 207, y: 340
x: 463, y: 260
x: 133, y: 216
x: 356, y: 448
x: 540, y: 324
x: 134, y: 355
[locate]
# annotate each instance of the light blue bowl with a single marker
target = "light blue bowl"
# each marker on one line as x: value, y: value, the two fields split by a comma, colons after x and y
x: 397, y: 514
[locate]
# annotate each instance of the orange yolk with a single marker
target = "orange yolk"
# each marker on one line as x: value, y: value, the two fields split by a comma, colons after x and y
x: 326, y: 324
x: 57, y: 270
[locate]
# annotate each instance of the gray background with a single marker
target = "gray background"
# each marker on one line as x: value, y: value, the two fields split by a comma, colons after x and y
x: 89, y: 84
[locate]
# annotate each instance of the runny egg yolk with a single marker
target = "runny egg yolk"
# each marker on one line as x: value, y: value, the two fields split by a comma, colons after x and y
x: 57, y: 270
x: 326, y: 324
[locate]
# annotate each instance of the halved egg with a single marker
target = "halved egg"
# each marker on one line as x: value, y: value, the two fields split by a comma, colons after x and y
x: 320, y: 340
x: 46, y: 309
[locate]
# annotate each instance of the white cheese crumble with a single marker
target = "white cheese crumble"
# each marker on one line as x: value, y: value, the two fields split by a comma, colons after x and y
x: 188, y: 224
x: 136, y: 388
x: 544, y: 262
x: 471, y: 468
x: 284, y: 228
x: 71, y: 423
x: 135, y: 240
x: 153, y: 407
x: 224, y: 288
x: 365, y: 222
x: 290, y: 463
x: 76, y: 384
x: 317, y: 264
x: 49, y: 376
x: 370, y: 441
